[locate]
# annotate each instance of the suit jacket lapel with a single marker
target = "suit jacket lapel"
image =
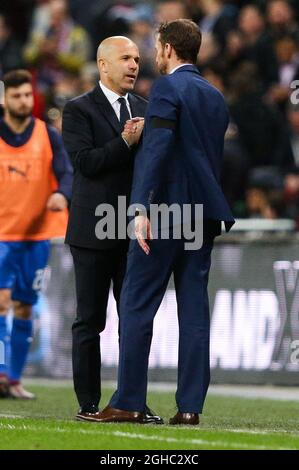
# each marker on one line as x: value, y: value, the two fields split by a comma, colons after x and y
x: 106, y: 108
x: 109, y: 113
x: 134, y: 105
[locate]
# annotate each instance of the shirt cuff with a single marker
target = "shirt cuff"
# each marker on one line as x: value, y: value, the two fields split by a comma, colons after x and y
x: 127, y: 144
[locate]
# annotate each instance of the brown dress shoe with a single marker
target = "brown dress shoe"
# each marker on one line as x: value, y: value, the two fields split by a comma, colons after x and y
x: 113, y: 415
x: 185, y: 418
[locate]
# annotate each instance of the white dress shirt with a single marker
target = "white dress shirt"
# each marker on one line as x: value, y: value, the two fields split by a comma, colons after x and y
x: 113, y: 97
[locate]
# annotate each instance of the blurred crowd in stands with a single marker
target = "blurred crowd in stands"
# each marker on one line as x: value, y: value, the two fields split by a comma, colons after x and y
x: 250, y: 52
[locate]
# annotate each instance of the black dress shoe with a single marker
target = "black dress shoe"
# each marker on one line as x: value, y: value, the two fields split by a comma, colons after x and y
x: 89, y: 413
x: 150, y: 417
x: 185, y: 418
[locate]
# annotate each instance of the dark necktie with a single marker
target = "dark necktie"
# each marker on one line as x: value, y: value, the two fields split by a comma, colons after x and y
x: 124, y: 113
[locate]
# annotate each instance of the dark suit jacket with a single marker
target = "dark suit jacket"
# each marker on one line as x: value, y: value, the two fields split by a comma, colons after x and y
x: 180, y: 158
x: 102, y: 162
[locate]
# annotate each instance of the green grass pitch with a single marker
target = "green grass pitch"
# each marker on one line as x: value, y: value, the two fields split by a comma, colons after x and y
x: 227, y: 423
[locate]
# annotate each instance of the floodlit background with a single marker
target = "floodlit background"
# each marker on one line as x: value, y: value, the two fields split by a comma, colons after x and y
x: 250, y: 52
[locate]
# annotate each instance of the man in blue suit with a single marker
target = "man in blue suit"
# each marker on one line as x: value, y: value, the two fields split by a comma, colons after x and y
x: 179, y: 163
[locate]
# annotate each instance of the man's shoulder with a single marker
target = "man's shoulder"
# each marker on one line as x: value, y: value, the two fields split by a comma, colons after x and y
x: 165, y: 84
x: 139, y: 98
x: 80, y: 101
x: 211, y: 89
x: 184, y: 80
x: 54, y: 135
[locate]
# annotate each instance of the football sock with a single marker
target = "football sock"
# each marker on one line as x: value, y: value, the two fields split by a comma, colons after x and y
x: 4, y: 345
x: 21, y: 338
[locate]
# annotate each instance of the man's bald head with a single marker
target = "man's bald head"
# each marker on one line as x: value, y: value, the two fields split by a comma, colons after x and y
x: 114, y: 42
x: 118, y: 63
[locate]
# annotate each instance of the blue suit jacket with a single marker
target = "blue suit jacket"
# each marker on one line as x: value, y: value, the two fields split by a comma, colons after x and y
x: 180, y: 158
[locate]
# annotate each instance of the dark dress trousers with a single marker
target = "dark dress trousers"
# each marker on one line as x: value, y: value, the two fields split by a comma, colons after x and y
x: 103, y: 165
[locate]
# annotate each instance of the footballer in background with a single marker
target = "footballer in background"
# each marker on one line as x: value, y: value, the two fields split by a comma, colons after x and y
x: 35, y: 186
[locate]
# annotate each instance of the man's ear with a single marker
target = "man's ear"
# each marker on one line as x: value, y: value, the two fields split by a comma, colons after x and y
x: 102, y: 65
x: 168, y: 49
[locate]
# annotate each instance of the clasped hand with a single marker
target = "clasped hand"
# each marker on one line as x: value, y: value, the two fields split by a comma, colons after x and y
x: 132, y: 130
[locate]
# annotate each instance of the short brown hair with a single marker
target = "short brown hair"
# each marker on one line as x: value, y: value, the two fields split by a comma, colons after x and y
x: 184, y: 36
x: 16, y: 78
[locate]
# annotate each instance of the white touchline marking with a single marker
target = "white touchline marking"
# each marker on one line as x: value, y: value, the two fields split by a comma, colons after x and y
x: 145, y: 437
x: 264, y: 431
x: 242, y: 430
x: 194, y: 430
x: 186, y: 441
x: 3, y: 415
